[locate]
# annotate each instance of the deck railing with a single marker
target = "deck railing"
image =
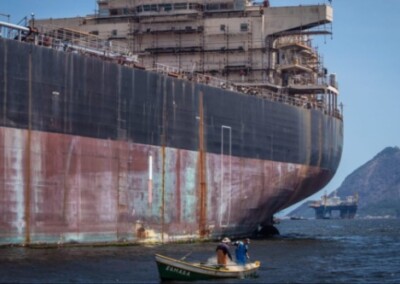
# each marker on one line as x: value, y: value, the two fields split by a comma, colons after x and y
x: 279, y: 96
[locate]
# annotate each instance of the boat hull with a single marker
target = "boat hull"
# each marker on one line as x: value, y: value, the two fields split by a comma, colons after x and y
x: 173, y: 269
x: 97, y: 152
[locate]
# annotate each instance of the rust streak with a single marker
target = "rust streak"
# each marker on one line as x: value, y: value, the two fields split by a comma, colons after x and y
x: 69, y: 155
x: 178, y: 186
x: 201, y: 170
x: 27, y: 170
x: 163, y: 195
x: 5, y: 83
x: 163, y: 143
x: 118, y: 188
x: 320, y: 142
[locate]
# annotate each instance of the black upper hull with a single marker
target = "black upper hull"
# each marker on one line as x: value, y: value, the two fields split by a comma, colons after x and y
x: 52, y: 91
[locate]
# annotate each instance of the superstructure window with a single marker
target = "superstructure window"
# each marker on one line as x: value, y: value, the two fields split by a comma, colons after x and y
x: 244, y: 27
x: 148, y: 8
x: 114, y: 12
x: 219, y: 6
x: 212, y: 7
x: 226, y: 6
x: 165, y: 7
x: 180, y: 6
x: 104, y: 12
x: 193, y: 6
x: 222, y: 28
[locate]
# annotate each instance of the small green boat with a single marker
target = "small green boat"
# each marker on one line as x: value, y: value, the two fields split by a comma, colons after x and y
x: 174, y: 269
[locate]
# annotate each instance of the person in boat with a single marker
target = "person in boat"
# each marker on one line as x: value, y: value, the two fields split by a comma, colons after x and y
x: 223, y: 252
x: 241, y: 251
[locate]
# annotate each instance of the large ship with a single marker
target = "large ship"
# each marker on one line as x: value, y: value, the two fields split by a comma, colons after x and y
x: 163, y: 121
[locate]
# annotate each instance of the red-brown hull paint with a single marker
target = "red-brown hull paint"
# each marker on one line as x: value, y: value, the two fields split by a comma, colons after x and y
x: 58, y: 188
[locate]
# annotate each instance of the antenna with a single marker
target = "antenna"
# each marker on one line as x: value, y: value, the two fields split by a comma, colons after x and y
x: 6, y: 15
x: 33, y: 19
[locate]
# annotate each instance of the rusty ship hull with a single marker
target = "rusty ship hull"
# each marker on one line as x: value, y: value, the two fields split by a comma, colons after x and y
x: 93, y: 151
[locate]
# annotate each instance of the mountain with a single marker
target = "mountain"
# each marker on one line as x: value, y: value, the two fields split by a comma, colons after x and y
x: 377, y: 184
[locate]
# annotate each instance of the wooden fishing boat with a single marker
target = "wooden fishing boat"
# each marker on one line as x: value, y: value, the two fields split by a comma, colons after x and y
x: 174, y: 269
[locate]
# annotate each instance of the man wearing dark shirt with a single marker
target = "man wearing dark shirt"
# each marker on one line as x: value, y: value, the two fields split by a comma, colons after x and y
x: 223, y: 252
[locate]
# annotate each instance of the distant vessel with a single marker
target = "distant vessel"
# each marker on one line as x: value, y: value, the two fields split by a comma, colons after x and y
x: 158, y: 121
x: 324, y: 207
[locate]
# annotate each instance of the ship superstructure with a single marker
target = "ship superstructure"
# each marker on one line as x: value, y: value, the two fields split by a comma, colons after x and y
x: 238, y: 41
x: 164, y: 121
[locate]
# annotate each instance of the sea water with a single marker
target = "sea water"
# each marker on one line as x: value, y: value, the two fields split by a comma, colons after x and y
x: 308, y: 251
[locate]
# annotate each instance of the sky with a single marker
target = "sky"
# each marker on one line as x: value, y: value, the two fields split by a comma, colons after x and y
x: 363, y: 52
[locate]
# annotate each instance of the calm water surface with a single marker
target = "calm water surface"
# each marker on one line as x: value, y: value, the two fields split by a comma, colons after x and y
x: 308, y: 251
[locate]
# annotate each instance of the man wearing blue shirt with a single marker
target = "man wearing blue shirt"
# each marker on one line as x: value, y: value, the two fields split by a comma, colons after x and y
x: 241, y: 251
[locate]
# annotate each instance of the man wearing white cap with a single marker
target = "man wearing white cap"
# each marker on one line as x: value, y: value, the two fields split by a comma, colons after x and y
x: 223, y: 252
x: 241, y: 251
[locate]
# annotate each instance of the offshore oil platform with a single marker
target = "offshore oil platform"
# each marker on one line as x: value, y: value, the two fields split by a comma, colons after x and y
x: 324, y: 207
